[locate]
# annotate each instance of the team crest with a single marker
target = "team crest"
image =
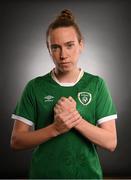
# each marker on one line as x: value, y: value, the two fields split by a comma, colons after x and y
x: 84, y: 98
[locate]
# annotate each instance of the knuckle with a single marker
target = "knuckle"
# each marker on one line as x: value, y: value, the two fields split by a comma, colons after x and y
x: 55, y: 108
x: 74, y: 113
x: 59, y: 116
x: 68, y: 126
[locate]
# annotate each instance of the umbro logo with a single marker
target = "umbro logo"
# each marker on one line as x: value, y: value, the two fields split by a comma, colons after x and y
x: 48, y: 98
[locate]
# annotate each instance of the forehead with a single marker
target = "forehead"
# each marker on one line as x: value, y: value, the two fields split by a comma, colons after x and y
x: 62, y: 35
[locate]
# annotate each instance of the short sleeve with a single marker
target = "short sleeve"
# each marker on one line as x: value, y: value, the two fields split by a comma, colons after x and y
x: 25, y: 110
x: 105, y: 108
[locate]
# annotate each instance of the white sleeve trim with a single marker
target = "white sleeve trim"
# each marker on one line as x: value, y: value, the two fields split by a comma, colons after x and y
x: 107, y: 118
x: 26, y: 121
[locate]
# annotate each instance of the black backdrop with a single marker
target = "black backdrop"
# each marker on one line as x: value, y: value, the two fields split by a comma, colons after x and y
x: 23, y: 56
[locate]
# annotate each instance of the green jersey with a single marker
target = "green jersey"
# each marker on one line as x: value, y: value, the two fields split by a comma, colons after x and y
x: 70, y: 155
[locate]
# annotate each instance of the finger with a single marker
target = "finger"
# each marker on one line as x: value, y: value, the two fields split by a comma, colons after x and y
x: 72, y: 117
x: 71, y: 99
x: 75, y: 113
x: 69, y: 117
x: 67, y: 121
x: 62, y: 100
x: 57, y: 109
x: 76, y: 117
x: 57, y: 106
x: 65, y: 105
x: 76, y: 120
x: 63, y: 116
x: 73, y: 123
x: 67, y: 102
x: 61, y: 108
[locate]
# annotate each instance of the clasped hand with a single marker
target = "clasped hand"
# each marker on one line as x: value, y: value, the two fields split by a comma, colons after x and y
x: 66, y: 115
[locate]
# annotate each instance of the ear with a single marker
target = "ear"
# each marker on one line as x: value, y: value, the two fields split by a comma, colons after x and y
x: 49, y: 50
x: 81, y: 46
x: 48, y: 47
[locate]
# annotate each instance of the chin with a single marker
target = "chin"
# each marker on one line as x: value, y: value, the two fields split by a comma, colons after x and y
x: 65, y: 70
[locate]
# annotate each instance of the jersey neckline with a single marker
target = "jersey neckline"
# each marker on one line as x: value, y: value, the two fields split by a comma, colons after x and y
x: 54, y: 78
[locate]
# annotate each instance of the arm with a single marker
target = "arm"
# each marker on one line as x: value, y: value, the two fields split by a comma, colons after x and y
x: 23, y: 137
x: 104, y: 135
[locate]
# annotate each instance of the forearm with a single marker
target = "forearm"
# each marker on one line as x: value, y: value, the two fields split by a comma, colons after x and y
x: 104, y: 136
x: 97, y: 135
x: 30, y: 139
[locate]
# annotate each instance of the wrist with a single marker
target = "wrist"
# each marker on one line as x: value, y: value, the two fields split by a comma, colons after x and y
x: 55, y: 132
x: 81, y: 124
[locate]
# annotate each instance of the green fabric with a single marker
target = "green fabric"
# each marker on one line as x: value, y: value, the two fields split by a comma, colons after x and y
x: 70, y: 155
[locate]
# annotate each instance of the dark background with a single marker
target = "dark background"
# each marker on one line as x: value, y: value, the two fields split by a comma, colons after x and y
x: 23, y: 56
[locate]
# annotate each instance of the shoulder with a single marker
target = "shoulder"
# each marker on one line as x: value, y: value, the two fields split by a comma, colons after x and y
x: 94, y: 82
x: 94, y: 78
x: 37, y: 81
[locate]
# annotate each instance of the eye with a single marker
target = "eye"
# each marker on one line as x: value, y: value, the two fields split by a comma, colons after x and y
x: 69, y: 46
x: 54, y: 48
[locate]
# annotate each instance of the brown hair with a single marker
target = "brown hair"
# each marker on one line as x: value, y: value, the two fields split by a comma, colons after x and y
x: 65, y: 19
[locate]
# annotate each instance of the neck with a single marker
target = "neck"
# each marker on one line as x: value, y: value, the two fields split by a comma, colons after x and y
x: 67, y: 77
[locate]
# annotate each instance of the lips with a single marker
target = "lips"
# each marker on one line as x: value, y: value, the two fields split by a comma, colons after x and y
x: 65, y: 63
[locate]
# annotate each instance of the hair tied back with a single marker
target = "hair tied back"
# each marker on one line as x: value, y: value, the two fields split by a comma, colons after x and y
x: 66, y: 15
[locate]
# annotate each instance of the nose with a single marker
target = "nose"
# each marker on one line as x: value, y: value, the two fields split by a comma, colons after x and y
x: 63, y: 54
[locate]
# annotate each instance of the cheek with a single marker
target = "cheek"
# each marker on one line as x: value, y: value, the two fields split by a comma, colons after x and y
x: 55, y: 56
x: 76, y: 52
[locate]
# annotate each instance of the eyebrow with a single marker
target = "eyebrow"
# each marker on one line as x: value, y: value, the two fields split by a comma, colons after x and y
x: 69, y: 42
x: 54, y: 45
x: 57, y: 45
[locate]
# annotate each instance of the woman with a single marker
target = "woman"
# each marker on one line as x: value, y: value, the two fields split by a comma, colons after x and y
x: 65, y: 113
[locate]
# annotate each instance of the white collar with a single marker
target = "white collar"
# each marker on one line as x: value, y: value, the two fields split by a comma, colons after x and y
x: 66, y: 84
